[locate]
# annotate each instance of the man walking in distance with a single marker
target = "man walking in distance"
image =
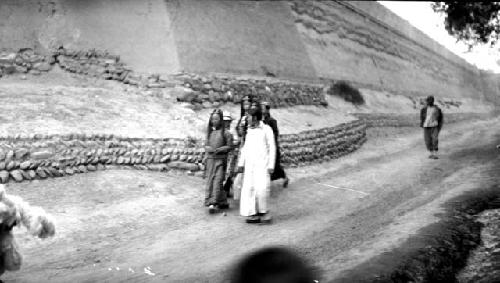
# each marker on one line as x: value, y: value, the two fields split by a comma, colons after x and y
x: 431, y: 119
x: 278, y: 173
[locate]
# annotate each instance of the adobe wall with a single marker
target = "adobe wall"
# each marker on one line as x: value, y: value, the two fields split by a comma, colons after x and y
x: 138, y: 31
x: 361, y: 42
x: 365, y: 43
x: 240, y: 37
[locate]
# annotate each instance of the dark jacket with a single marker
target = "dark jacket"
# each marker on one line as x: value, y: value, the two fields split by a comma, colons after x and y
x: 278, y: 172
x: 271, y: 122
x: 423, y: 114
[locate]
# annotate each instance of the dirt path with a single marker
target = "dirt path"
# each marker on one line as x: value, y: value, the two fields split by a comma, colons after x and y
x: 113, y: 224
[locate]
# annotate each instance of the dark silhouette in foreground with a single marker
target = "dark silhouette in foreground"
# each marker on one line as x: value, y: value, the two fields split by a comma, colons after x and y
x: 273, y: 265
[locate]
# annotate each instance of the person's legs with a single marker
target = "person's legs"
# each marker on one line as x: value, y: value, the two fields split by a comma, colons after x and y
x: 285, y: 180
x: 279, y: 173
x: 247, y: 196
x: 209, y: 193
x: 263, y: 192
x: 434, y: 141
x: 427, y: 140
x: 218, y: 187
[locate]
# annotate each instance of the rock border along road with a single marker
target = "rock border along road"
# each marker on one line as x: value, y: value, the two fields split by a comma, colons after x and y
x: 109, y: 220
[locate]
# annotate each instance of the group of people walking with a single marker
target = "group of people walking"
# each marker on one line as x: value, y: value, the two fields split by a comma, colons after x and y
x: 243, y: 164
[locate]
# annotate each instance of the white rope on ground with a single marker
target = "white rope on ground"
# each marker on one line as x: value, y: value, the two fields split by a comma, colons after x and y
x: 346, y: 189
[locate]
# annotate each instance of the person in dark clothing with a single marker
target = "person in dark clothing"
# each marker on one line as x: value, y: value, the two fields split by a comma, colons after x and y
x: 431, y: 119
x: 218, y: 145
x: 232, y: 156
x: 278, y: 173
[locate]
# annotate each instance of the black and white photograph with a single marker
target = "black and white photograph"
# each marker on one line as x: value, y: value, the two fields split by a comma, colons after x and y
x: 249, y: 141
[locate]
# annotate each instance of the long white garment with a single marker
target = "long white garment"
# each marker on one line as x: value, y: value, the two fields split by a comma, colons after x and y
x: 257, y: 156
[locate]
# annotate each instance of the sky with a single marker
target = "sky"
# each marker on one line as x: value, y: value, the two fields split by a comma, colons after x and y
x: 421, y: 15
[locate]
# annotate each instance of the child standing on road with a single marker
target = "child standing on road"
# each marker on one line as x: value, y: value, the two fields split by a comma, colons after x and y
x: 218, y: 144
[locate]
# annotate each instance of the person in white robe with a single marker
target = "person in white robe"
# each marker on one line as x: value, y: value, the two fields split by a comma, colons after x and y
x: 257, y: 161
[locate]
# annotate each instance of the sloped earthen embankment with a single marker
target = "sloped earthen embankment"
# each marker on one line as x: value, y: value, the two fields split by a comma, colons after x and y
x: 438, y: 252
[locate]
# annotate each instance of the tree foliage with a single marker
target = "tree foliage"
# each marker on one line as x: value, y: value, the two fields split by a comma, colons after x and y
x: 471, y: 22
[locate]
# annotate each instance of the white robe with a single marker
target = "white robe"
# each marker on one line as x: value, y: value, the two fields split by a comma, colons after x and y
x: 257, y: 156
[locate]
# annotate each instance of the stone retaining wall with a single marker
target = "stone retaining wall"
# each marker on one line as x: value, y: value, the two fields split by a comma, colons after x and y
x: 28, y: 157
x: 31, y: 157
x: 412, y: 120
x: 323, y: 144
x: 107, y: 66
x: 212, y: 91
x: 25, y: 61
x: 201, y: 91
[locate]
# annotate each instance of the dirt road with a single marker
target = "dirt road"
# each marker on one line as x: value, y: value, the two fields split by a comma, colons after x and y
x: 114, y: 224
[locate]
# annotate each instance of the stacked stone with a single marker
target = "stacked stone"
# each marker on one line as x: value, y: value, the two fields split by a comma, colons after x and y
x: 29, y: 157
x: 101, y: 64
x: 202, y: 92
x: 38, y: 157
x: 208, y: 92
x: 445, y: 103
x: 323, y: 144
x: 93, y: 63
x: 413, y: 120
x: 25, y: 61
x: 389, y: 120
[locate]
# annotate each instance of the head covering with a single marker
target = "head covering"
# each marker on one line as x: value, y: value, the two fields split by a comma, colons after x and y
x: 227, y: 117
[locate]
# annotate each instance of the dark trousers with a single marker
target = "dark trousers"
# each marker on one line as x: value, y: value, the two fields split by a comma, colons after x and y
x: 431, y: 138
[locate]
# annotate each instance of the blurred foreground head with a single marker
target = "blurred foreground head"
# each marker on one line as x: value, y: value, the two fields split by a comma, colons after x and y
x: 272, y: 265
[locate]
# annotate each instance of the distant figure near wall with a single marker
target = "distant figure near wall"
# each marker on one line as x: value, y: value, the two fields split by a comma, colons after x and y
x: 431, y: 119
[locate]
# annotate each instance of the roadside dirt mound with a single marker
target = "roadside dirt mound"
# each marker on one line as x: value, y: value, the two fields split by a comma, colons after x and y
x: 437, y: 252
x: 58, y: 102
